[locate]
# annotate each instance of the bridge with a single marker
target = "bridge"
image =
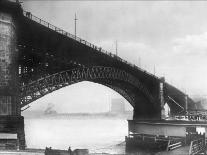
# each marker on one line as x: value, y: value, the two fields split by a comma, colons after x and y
x: 37, y: 58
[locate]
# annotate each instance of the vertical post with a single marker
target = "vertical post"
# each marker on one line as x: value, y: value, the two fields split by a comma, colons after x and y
x: 204, y: 141
x: 75, y: 24
x: 161, y: 97
x: 186, y: 103
x: 11, y: 121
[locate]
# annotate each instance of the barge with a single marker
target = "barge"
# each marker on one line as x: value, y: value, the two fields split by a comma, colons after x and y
x: 158, y: 135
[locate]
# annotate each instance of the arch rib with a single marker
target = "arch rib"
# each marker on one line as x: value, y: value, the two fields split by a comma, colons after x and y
x: 48, y: 84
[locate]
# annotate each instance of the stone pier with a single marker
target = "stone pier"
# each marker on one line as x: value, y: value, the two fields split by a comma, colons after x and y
x: 11, y: 121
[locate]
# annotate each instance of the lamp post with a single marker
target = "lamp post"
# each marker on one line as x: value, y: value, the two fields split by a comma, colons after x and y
x: 75, y: 24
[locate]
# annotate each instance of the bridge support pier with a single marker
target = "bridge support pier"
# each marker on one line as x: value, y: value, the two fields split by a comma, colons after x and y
x: 12, y: 130
x: 161, y: 96
x: 11, y: 121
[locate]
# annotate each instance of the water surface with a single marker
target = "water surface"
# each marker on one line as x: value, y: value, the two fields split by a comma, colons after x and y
x: 96, y: 134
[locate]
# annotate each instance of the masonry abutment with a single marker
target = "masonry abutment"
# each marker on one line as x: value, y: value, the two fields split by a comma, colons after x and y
x: 11, y: 121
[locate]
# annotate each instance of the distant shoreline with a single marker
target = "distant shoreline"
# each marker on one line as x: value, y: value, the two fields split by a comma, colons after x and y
x: 126, y: 115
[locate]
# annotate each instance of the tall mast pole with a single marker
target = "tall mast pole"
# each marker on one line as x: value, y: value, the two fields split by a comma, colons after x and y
x: 75, y: 24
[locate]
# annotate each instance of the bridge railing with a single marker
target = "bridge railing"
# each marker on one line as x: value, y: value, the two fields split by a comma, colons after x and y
x: 61, y: 31
x: 197, y: 146
x: 174, y: 143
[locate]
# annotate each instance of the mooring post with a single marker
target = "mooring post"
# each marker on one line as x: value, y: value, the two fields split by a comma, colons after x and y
x: 11, y: 121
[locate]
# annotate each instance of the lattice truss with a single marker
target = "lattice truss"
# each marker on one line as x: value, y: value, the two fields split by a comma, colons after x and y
x: 36, y: 89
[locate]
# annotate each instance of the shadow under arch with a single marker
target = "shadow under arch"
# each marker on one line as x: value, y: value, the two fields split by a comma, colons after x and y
x: 120, y: 81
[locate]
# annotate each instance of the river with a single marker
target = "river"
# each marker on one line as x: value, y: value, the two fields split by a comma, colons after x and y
x: 99, y: 135
x: 96, y: 134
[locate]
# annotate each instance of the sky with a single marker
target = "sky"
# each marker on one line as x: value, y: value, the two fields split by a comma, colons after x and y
x: 168, y: 38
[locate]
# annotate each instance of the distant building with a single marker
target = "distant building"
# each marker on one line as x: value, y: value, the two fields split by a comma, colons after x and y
x: 117, y: 105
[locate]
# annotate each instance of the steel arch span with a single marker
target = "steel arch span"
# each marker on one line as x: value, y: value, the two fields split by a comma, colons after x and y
x: 49, y: 58
x: 37, y: 58
x: 113, y: 78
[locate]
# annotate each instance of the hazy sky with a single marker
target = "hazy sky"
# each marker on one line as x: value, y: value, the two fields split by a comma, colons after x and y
x: 172, y: 36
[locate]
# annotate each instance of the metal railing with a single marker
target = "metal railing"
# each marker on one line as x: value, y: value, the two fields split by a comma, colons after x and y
x: 173, y: 144
x: 61, y: 31
x: 197, y: 146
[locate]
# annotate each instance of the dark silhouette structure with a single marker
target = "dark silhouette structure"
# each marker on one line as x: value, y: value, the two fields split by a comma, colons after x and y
x: 37, y: 58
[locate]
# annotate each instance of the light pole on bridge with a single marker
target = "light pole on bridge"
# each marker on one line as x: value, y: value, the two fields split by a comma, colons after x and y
x: 75, y: 24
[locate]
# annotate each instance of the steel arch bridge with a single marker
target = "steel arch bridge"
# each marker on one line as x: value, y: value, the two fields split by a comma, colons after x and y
x: 37, y: 58
x: 49, y: 58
